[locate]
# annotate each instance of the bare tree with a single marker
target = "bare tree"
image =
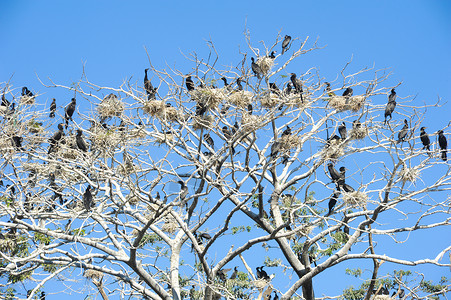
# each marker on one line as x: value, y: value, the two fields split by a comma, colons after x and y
x: 175, y: 186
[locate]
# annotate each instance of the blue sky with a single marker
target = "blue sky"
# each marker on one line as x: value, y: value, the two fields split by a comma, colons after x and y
x: 55, y: 39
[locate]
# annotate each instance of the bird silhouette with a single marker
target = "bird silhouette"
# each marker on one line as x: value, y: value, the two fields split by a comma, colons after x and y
x: 297, y: 84
x: 443, y: 143
x: 390, y: 107
x: 328, y: 90
x: 57, y: 136
x: 189, y: 83
x: 183, y: 191
x: 286, y: 43
x: 209, y: 140
x: 52, y: 108
x: 287, y: 131
x: 234, y: 274
x: 150, y: 90
x: 87, y: 199
x: 332, y: 202
x: 256, y: 68
x: 69, y: 111
x: 81, y: 144
x: 424, y: 137
x: 238, y: 83
x: 348, y: 92
x: 342, y: 130
x: 403, y: 132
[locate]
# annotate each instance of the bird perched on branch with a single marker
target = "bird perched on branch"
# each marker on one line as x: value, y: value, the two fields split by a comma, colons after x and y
x: 261, y: 274
x: 443, y: 143
x: 390, y: 107
x: 69, y: 111
x: 183, y: 191
x: 26, y: 92
x: 189, y: 83
x: 81, y: 144
x: 332, y: 202
x: 275, y: 148
x: 424, y: 137
x: 256, y: 68
x: 287, y: 131
x: 5, y: 103
x: 348, y: 92
x: 238, y: 83
x: 328, y: 90
x: 52, y: 108
x: 87, y: 199
x: 342, y: 130
x: 286, y: 43
x: 272, y: 55
x: 403, y: 133
x: 56, y: 138
x: 297, y: 84
x: 234, y: 274
x: 209, y: 140
x: 150, y: 90
x: 334, y: 174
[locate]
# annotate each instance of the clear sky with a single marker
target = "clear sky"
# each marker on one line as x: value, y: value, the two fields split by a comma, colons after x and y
x: 55, y: 39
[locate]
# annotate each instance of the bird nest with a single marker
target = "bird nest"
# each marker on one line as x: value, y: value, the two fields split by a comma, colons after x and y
x: 409, y: 174
x: 93, y: 274
x: 104, y: 138
x: 333, y: 151
x: 270, y: 100
x: 200, y: 122
x: 288, y: 142
x: 250, y: 122
x: 163, y: 138
x: 358, y: 133
x: 170, y: 225
x: 240, y: 98
x: 169, y: 113
x: 110, y: 106
x: 7, y: 245
x: 265, y: 63
x: 341, y: 103
x: 27, y: 100
x: 126, y: 169
x: 154, y: 108
x: 35, y: 127
x: 260, y: 283
x: 355, y: 199
x: 295, y: 100
x: 208, y: 96
x: 133, y: 200
x: 138, y: 133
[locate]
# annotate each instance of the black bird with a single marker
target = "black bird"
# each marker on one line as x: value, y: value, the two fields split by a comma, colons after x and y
x: 256, y: 68
x: 209, y: 140
x: 348, y: 92
x: 297, y: 84
x: 402, y: 293
x: 403, y: 133
x: 272, y: 55
x: 235, y: 127
x: 286, y: 43
x: 52, y: 108
x: 183, y: 191
x: 390, y: 105
x: 287, y: 131
x: 226, y: 84
x: 288, y: 89
x: 87, y: 199
x: 69, y: 111
x: 81, y: 144
x: 342, y: 130
x: 17, y: 142
x: 275, y: 148
x: 259, y: 274
x: 334, y: 139
x: 192, y: 291
x: 336, y: 177
x: 42, y: 296
x: 56, y: 138
x: 332, y: 202
x: 189, y: 83
x: 150, y: 90
x: 263, y: 274
x: 201, y: 108
x: 204, y: 235
x: 356, y: 124
x: 273, y: 88
x: 227, y: 133
x: 249, y: 108
x: 26, y: 92
x: 276, y: 297
x: 424, y: 137
x: 238, y: 83
x: 235, y: 273
x: 222, y: 274
x: 443, y: 143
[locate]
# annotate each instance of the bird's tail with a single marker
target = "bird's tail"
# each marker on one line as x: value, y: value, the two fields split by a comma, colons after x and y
x: 444, y: 156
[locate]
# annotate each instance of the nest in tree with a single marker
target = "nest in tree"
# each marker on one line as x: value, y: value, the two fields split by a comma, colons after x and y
x: 27, y: 100
x: 288, y: 142
x: 138, y: 133
x: 296, y: 100
x: 170, y: 225
x: 68, y: 152
x: 250, y: 122
x: 110, y: 106
x: 154, y: 108
x: 358, y: 133
x: 93, y: 274
x: 265, y: 63
x: 409, y: 174
x: 104, y: 139
x: 7, y: 245
x: 208, y: 96
x: 200, y: 122
x: 240, y: 99
x: 125, y: 169
x: 163, y: 138
x: 288, y: 200
x: 270, y: 100
x: 355, y: 199
x: 35, y: 127
x: 170, y: 114
x: 341, y: 103
x: 260, y: 283
x: 333, y: 151
x: 133, y: 200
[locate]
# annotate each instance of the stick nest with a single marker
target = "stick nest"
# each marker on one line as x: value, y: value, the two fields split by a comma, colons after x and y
x: 200, y: 122
x: 409, y: 174
x: 355, y: 199
x: 260, y: 283
x: 333, y: 151
x: 250, y: 122
x: 240, y: 99
x: 27, y: 100
x: 265, y: 63
x: 164, y: 138
x: 93, y: 274
x: 170, y: 114
x: 358, y: 133
x: 208, y: 96
x: 170, y: 225
x: 288, y: 142
x: 104, y: 139
x: 341, y: 103
x: 154, y: 108
x: 270, y: 100
x: 111, y: 106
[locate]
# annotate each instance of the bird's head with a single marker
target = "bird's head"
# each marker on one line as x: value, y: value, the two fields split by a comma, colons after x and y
x: 79, y: 132
x: 60, y: 126
x: 342, y: 169
x: 422, y: 128
x: 440, y: 131
x: 252, y: 59
x: 145, y: 70
x: 74, y: 100
x: 293, y: 75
